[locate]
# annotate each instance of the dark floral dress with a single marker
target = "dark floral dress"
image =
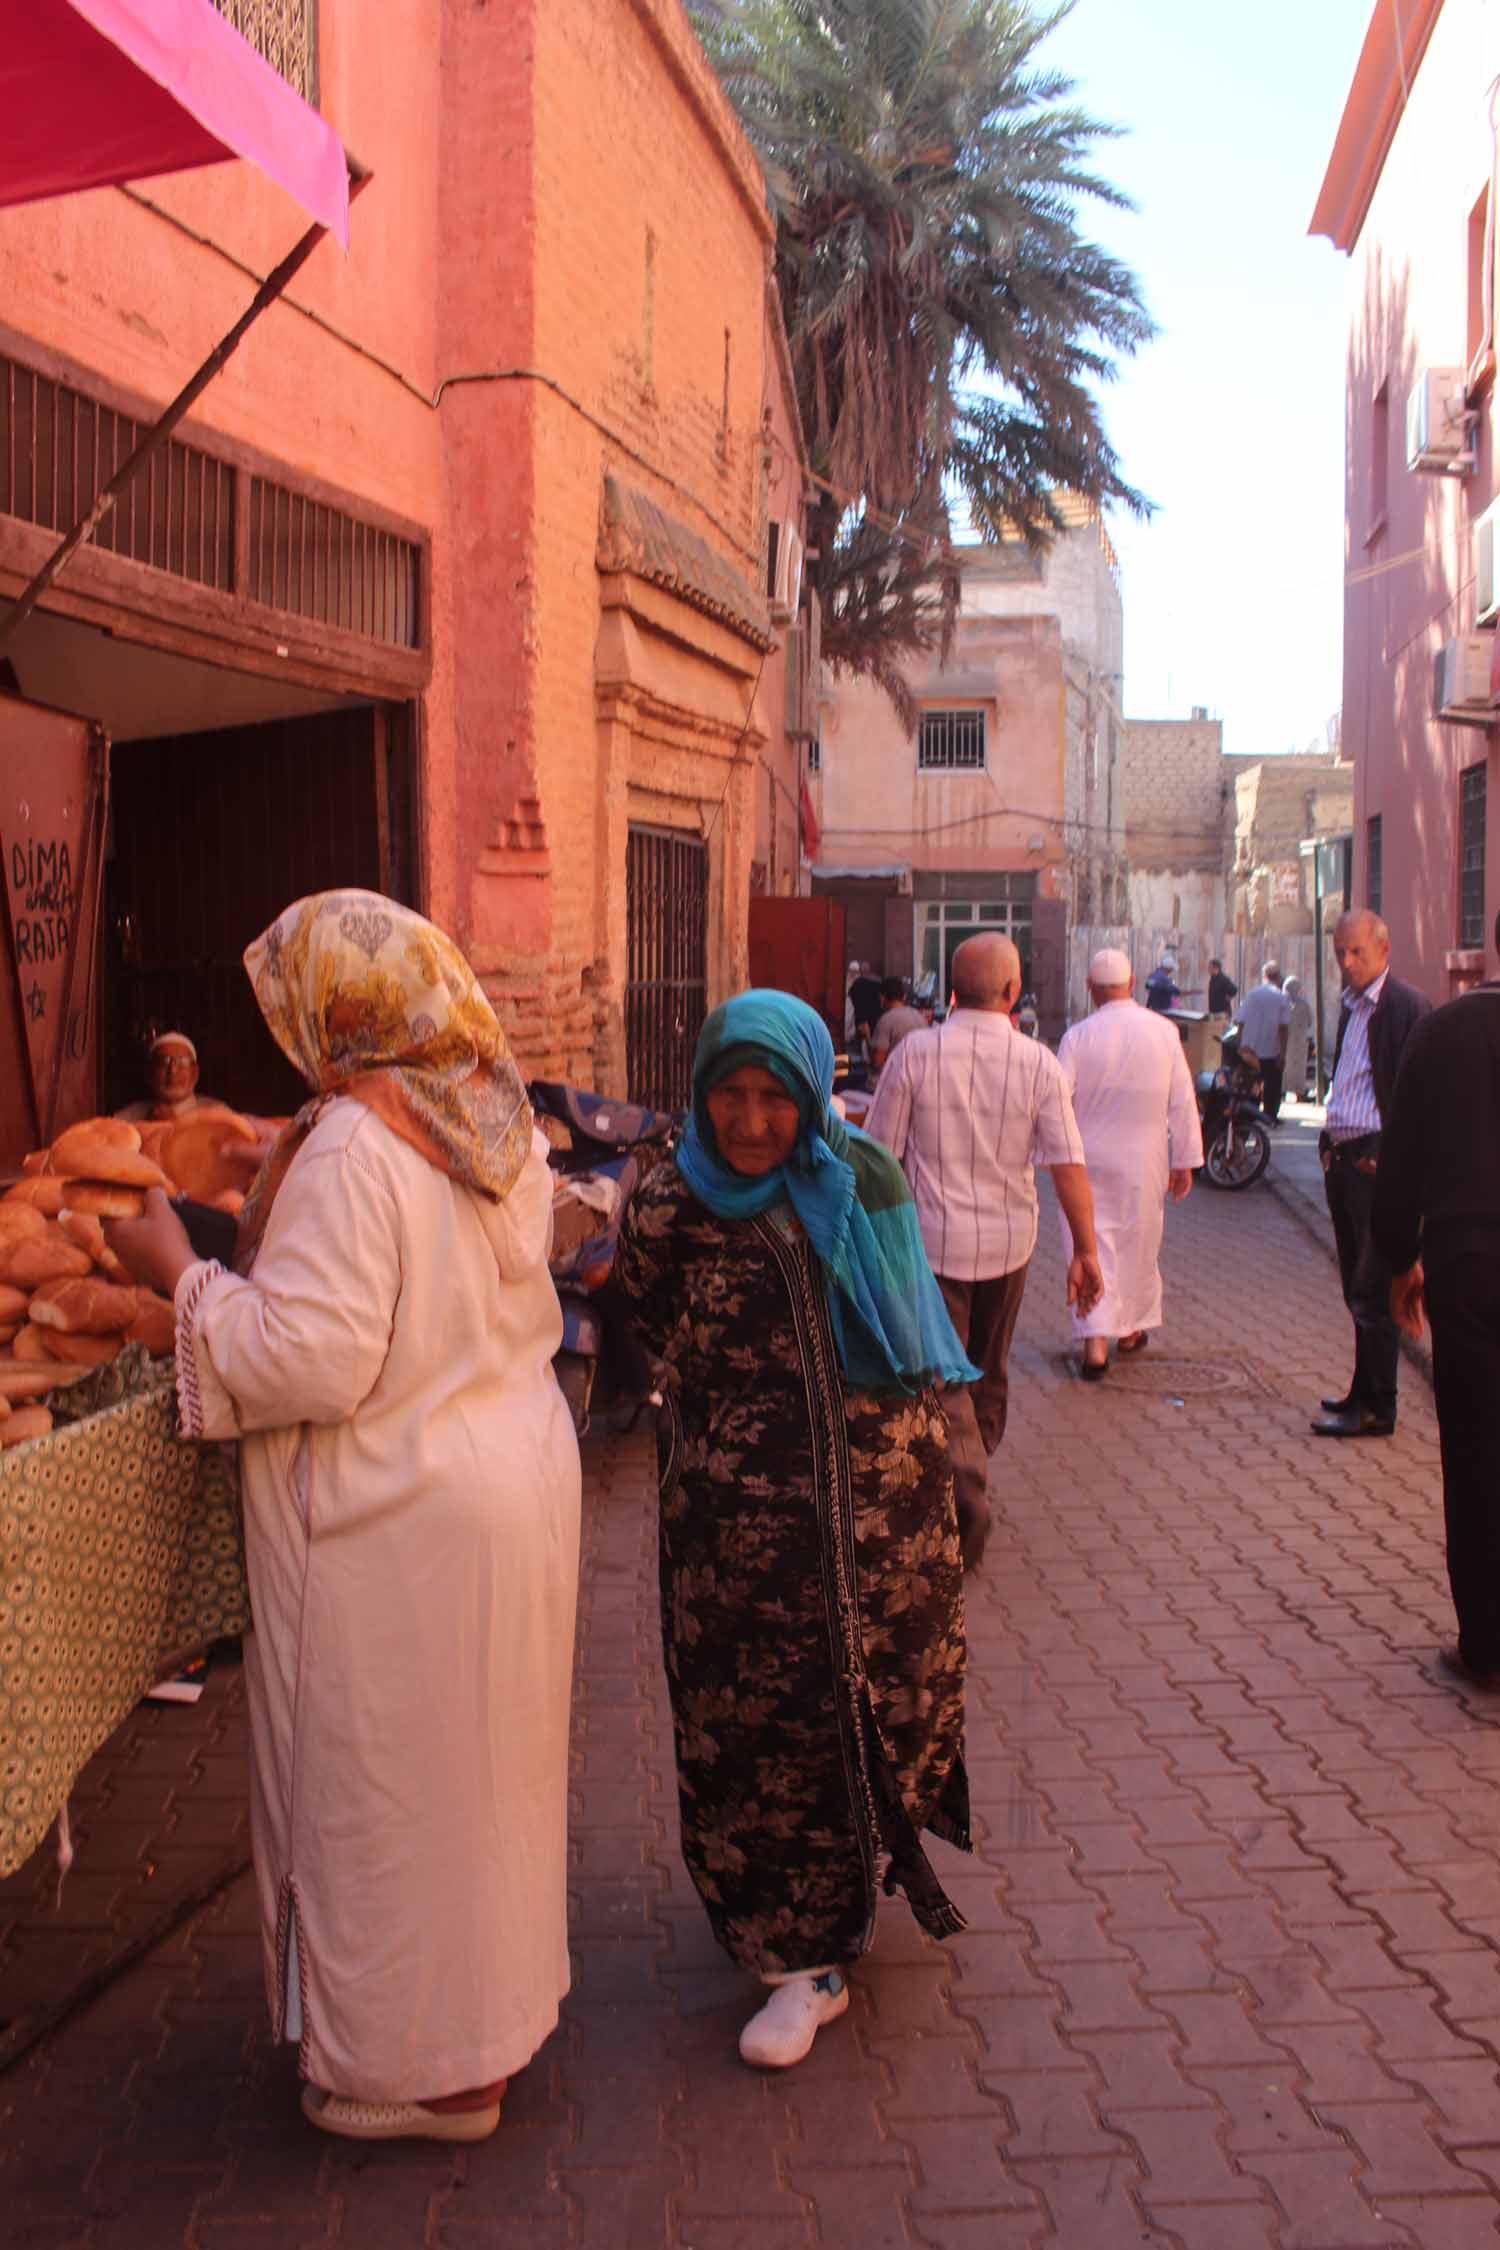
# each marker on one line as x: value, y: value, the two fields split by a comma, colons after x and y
x: 812, y: 1595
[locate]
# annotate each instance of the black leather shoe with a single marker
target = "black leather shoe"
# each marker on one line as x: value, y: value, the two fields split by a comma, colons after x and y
x: 1358, y: 1422
x: 1344, y: 1405
x: 1452, y: 1659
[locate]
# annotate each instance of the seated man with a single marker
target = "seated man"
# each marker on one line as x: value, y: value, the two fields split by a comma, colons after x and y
x: 896, y: 1019
x: 171, y: 1081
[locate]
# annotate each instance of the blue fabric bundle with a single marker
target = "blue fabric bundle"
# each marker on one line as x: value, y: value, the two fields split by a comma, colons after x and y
x: 889, y: 1320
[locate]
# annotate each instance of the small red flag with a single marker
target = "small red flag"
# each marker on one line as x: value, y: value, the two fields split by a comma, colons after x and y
x: 812, y: 835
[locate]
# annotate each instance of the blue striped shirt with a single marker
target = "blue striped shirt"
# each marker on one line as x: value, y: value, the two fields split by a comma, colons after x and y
x: 1352, y: 1107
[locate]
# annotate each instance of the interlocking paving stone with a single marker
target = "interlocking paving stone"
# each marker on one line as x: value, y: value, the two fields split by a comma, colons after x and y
x: 1229, y: 1981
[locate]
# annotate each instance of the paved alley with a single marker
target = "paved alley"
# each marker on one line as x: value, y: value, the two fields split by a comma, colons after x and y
x: 1230, y: 1980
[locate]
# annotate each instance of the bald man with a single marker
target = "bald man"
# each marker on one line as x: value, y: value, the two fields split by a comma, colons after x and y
x: 969, y: 1107
x: 1376, y: 1019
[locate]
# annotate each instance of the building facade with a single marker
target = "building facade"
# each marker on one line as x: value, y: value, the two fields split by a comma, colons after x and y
x: 455, y: 583
x: 1003, y: 808
x: 1409, y: 193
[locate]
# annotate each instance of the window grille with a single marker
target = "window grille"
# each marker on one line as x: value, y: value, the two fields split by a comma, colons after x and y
x: 1373, y: 869
x: 948, y: 740
x: 320, y: 563
x: 1471, y: 798
x: 59, y: 447
x: 815, y: 755
x: 285, y: 32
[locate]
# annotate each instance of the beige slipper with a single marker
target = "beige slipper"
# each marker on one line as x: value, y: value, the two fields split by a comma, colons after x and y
x: 395, y: 2121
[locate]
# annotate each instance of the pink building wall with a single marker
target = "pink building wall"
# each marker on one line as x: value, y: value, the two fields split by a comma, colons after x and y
x: 1408, y: 173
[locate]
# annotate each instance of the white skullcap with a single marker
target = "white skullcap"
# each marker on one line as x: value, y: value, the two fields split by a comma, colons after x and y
x: 1110, y: 966
x: 173, y: 1039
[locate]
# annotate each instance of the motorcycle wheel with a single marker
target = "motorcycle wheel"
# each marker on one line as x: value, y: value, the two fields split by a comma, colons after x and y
x: 1237, y: 1166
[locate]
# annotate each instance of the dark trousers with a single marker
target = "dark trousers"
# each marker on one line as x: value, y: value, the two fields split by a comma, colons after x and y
x: 1463, y: 1305
x: 984, y: 1315
x: 1367, y: 1285
x: 1273, y: 1076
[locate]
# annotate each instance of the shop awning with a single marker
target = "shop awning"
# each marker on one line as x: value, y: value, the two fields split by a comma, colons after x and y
x: 97, y: 91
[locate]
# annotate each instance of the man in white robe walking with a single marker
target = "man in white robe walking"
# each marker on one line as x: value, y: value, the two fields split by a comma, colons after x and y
x: 1136, y: 1110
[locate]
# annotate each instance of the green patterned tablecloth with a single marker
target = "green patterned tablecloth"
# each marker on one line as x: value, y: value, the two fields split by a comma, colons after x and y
x: 120, y: 1552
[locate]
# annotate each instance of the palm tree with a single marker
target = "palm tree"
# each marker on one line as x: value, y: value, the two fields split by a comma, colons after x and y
x: 949, y: 323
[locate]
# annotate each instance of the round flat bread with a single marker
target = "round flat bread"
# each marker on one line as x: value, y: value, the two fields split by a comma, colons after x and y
x: 26, y: 1263
x: 90, y: 1134
x: 17, y: 1219
x: 154, y: 1325
x: 193, y: 1152
x: 42, y: 1192
x: 86, y: 1307
x: 104, y: 1199
x: 81, y: 1351
x: 25, y: 1422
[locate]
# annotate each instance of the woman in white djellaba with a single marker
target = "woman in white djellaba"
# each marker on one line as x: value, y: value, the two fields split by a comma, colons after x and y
x: 411, y: 1489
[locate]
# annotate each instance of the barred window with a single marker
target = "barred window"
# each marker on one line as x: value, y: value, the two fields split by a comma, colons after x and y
x: 815, y: 754
x: 1471, y: 799
x: 1373, y: 869
x: 947, y: 740
x: 285, y: 32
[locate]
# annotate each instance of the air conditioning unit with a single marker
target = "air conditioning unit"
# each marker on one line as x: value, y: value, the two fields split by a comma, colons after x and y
x: 1484, y: 536
x: 1466, y: 682
x: 784, y: 574
x: 1437, y: 429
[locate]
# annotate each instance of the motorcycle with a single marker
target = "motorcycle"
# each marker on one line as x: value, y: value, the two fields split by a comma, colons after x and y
x: 1236, y: 1145
x: 600, y: 1367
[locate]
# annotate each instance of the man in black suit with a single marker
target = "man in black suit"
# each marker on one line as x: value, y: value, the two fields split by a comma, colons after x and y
x: 1436, y: 1220
x: 1378, y: 1015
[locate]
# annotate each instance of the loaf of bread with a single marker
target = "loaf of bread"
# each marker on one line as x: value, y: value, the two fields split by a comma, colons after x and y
x: 21, y: 1220
x: 42, y: 1192
x: 104, y: 1148
x: 26, y: 1262
x: 85, y: 1307
x: 154, y: 1325
x: 30, y: 1346
x: 35, y: 1161
x: 9, y: 1331
x: 103, y: 1199
x: 80, y: 1350
x: 193, y: 1151
x: 88, y: 1136
x: 12, y: 1302
x: 83, y: 1228
x: 24, y: 1422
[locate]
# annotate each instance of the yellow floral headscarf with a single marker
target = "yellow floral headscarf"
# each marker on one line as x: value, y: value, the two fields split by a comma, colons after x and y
x: 365, y: 998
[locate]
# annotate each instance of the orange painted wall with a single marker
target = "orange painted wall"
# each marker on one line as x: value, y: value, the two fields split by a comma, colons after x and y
x: 557, y: 271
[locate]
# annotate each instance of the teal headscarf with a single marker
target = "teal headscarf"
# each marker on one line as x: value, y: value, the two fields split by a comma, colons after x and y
x: 889, y: 1320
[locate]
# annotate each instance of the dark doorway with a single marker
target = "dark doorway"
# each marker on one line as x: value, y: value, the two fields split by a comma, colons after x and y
x: 666, y: 910
x: 213, y: 834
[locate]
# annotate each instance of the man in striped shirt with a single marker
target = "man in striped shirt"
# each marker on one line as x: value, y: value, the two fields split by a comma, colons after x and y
x: 970, y: 1107
x: 1378, y: 1015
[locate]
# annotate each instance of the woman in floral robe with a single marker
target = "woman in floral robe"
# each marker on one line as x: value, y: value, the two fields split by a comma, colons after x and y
x: 812, y: 1604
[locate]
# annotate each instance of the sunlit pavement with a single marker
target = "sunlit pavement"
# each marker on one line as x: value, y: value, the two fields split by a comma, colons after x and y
x: 1230, y: 1976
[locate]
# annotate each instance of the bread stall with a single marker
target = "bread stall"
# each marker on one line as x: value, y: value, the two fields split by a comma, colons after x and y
x: 120, y: 1550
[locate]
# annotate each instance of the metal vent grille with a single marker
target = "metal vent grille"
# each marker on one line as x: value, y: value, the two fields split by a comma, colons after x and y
x: 58, y: 448
x: 317, y: 562
x: 285, y: 32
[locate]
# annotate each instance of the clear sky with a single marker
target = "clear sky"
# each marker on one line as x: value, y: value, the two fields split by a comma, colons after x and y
x: 1232, y: 420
